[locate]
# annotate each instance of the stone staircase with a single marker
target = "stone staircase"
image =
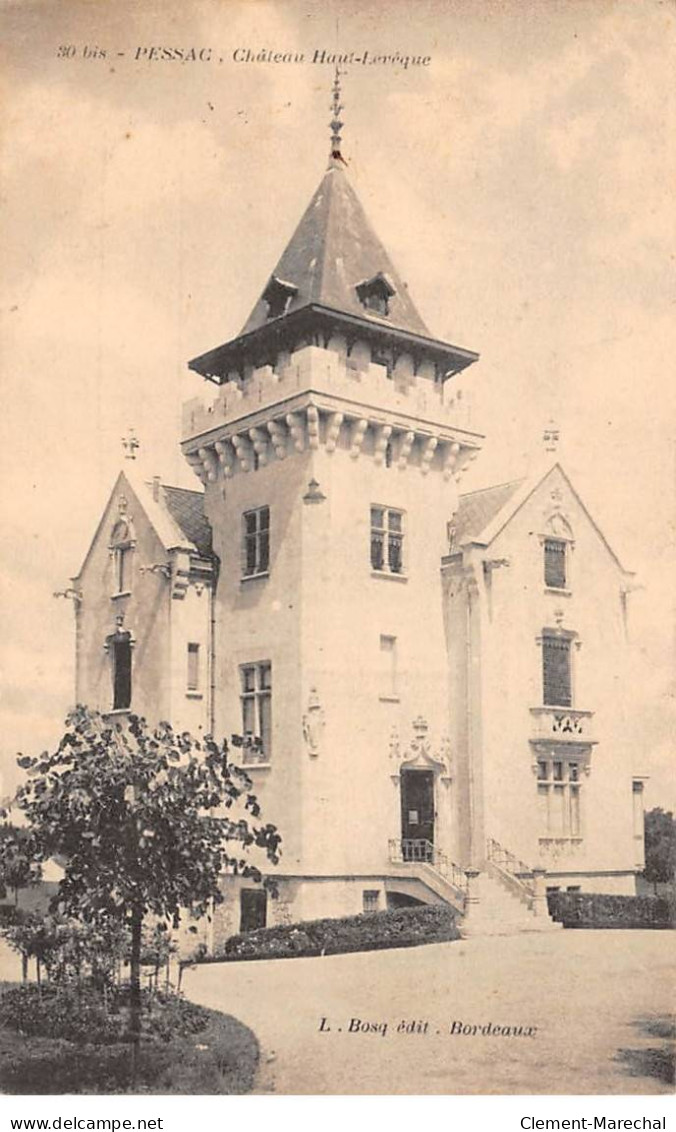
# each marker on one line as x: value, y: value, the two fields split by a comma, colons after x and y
x: 505, y: 898
x: 420, y: 861
x: 493, y: 908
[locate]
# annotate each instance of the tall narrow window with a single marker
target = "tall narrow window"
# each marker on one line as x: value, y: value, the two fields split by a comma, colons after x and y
x: 388, y: 657
x: 637, y: 798
x: 256, y: 701
x: 387, y: 540
x: 555, y: 564
x: 556, y: 674
x: 559, y: 798
x: 193, y: 683
x: 121, y: 673
x: 256, y: 548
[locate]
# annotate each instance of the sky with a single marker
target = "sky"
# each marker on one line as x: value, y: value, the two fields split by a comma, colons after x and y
x: 522, y: 182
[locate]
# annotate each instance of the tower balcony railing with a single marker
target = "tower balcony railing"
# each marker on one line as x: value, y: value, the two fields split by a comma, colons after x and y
x: 558, y: 725
x: 325, y: 371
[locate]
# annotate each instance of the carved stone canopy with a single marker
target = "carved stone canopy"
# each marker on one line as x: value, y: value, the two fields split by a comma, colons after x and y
x: 419, y: 753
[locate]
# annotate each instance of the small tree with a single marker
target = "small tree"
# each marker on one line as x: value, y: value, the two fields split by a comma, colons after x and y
x: 146, y: 820
x: 19, y: 867
x: 660, y: 847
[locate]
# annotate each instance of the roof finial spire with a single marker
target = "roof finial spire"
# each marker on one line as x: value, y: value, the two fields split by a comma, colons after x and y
x: 336, y: 121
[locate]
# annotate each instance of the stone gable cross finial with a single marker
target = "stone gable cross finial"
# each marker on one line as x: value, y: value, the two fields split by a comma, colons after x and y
x: 551, y: 436
x: 130, y: 443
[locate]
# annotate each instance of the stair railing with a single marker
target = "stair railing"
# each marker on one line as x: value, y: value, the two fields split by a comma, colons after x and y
x: 516, y: 873
x: 417, y: 850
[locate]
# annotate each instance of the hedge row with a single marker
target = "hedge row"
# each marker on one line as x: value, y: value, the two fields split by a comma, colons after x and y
x: 405, y: 927
x: 598, y: 910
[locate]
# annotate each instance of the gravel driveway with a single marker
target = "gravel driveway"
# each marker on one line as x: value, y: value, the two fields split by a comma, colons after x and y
x: 566, y: 1012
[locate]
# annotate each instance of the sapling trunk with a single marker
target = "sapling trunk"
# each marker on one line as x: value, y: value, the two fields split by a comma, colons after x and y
x: 135, y: 986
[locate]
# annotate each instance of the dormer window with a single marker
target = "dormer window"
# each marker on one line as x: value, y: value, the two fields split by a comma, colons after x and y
x: 375, y: 294
x: 278, y: 295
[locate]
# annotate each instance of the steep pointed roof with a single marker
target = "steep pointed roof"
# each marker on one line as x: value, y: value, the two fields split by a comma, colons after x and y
x: 476, y: 509
x: 483, y: 514
x: 332, y: 251
x: 175, y: 513
x: 332, y: 262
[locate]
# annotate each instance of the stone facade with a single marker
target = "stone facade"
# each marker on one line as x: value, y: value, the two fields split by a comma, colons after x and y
x: 383, y: 637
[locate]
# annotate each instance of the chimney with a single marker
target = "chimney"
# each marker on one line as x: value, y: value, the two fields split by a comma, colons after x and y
x: 156, y: 488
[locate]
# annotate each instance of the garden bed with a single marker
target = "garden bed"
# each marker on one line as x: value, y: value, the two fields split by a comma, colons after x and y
x: 405, y: 927
x: 185, y: 1048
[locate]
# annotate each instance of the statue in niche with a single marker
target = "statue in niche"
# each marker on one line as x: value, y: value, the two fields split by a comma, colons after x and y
x: 313, y: 723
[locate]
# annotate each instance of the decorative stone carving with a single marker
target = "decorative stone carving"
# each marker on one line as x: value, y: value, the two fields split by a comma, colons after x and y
x: 314, y: 493
x: 296, y: 430
x: 313, y: 426
x: 383, y: 435
x: 278, y: 436
x: 405, y: 449
x: 420, y: 752
x: 358, y: 433
x: 313, y: 723
x: 427, y: 454
x: 333, y: 431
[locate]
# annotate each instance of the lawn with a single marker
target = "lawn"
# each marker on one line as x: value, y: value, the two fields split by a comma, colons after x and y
x: 219, y: 1056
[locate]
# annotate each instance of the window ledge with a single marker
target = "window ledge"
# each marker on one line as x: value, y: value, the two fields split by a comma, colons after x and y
x: 389, y: 699
x: 192, y: 694
x: 562, y: 837
x: 558, y: 592
x: 122, y: 593
x: 389, y: 576
x: 246, y: 767
x: 118, y: 711
x: 254, y: 577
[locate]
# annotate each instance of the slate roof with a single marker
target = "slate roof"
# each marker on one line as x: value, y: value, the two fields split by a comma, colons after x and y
x: 333, y: 249
x: 187, y: 510
x: 477, y: 509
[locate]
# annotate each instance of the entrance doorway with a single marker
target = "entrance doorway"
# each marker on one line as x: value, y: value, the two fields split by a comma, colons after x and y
x: 417, y: 814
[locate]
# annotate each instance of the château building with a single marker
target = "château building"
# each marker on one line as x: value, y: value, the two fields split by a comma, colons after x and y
x: 434, y: 685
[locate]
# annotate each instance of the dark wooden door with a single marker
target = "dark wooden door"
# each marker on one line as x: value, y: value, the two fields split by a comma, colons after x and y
x: 417, y: 810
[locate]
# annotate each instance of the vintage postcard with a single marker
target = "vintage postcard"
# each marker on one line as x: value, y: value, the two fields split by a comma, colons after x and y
x: 338, y: 423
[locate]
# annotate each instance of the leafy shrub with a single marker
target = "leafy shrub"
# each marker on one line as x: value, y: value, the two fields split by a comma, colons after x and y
x: 10, y: 914
x: 169, y: 1016
x: 599, y: 910
x: 405, y: 927
x: 75, y: 1014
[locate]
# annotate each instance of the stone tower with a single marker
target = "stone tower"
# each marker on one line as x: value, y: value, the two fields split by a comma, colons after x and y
x: 330, y: 457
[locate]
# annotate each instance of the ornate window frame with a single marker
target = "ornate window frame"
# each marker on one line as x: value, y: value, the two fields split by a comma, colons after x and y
x: 556, y: 527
